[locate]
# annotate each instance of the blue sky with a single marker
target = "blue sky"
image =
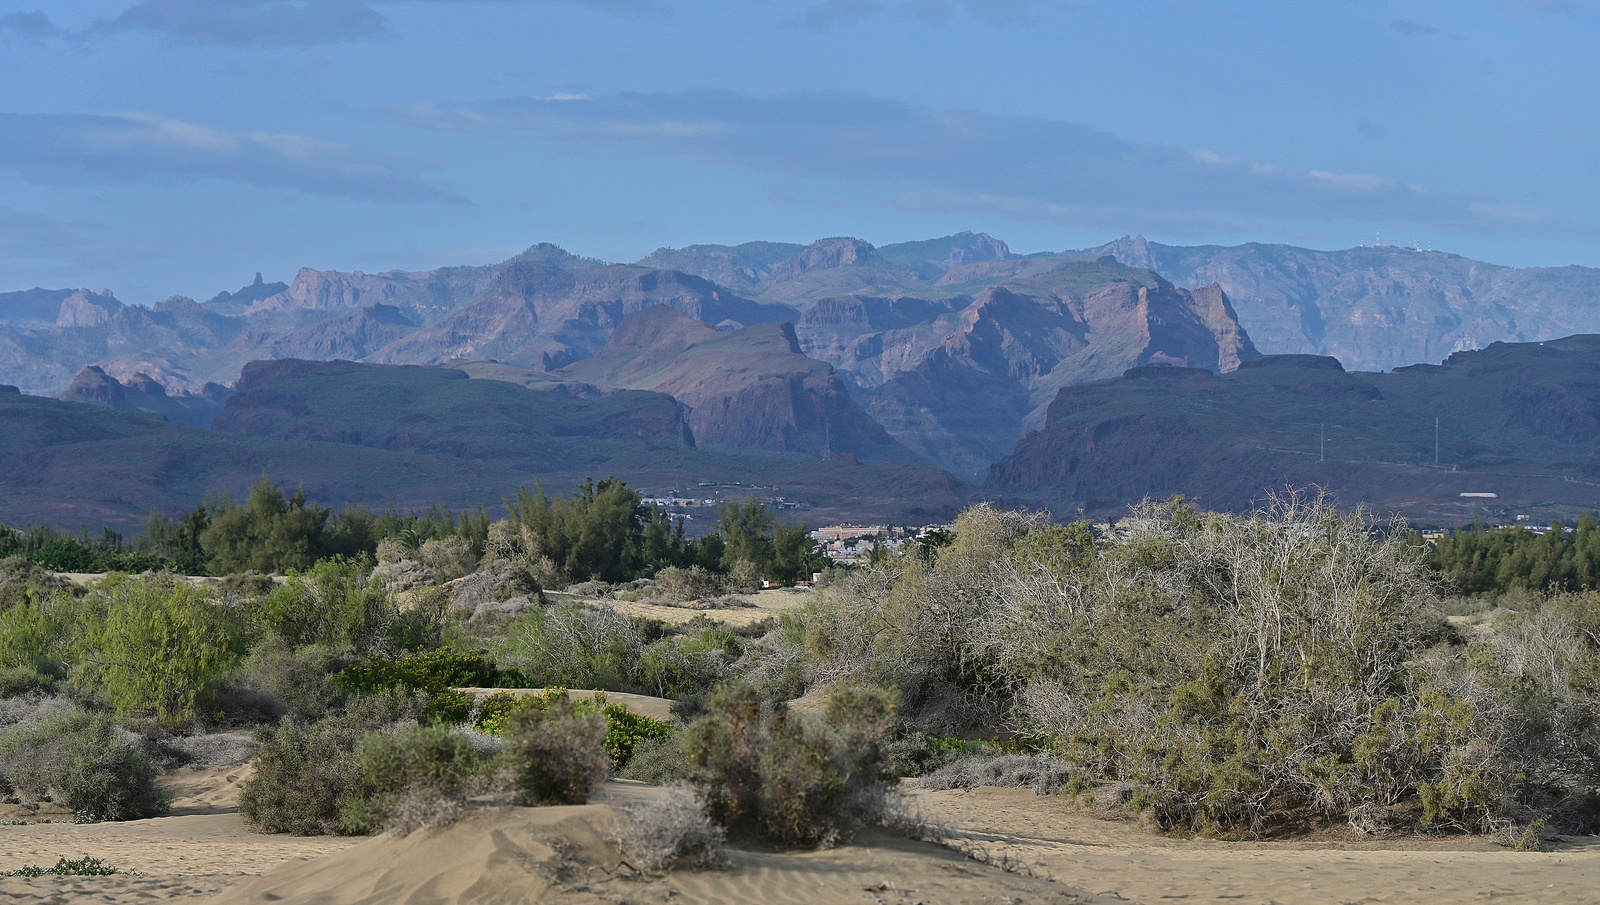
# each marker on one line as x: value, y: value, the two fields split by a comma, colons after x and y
x: 177, y: 147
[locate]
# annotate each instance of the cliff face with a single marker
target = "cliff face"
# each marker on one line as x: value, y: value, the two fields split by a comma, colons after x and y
x: 750, y: 389
x: 962, y: 384
x: 320, y: 290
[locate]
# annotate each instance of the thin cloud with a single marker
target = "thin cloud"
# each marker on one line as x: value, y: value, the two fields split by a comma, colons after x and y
x: 1059, y: 170
x: 829, y: 14
x: 31, y: 24
x: 264, y: 23
x: 825, y: 15
x: 26, y: 236
x: 81, y: 149
x: 1420, y: 29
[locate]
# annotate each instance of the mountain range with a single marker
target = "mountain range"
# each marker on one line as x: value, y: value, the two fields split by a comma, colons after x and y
x: 943, y: 353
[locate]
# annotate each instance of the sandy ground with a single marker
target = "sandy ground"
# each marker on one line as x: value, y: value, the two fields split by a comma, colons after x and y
x: 201, y: 849
x: 205, y: 853
x: 764, y: 605
x: 1110, y: 856
x: 642, y: 704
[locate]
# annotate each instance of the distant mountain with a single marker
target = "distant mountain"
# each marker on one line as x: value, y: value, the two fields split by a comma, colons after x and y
x: 1376, y: 308
x: 750, y: 389
x: 1520, y: 420
x: 535, y: 315
x: 933, y: 258
x: 247, y: 295
x: 141, y: 393
x: 740, y: 267
x: 960, y: 380
x: 45, y: 308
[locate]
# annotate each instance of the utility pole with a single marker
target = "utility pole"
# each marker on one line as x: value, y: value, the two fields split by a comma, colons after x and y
x: 1436, y: 441
x: 1322, y: 442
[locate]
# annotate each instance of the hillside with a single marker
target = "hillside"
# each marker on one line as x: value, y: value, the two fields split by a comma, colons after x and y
x: 749, y: 389
x: 70, y: 463
x: 1518, y: 420
x: 1376, y: 308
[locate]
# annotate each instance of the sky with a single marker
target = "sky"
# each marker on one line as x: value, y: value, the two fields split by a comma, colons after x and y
x: 174, y: 147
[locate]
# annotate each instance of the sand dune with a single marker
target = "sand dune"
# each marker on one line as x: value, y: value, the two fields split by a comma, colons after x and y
x: 559, y: 855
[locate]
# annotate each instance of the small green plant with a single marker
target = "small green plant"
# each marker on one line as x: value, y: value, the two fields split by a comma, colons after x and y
x: 82, y: 867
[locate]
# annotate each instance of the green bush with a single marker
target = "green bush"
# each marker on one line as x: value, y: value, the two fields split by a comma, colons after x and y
x: 159, y: 647
x: 625, y: 730
x: 332, y: 603
x: 78, y: 759
x: 557, y: 755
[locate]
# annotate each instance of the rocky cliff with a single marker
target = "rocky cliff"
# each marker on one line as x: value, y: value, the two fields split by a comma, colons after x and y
x: 749, y: 389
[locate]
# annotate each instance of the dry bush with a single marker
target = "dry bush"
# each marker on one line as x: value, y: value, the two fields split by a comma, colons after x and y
x: 674, y: 585
x: 449, y: 557
x: 82, y: 761
x: 671, y: 830
x: 658, y: 761
x: 219, y: 749
x: 393, y: 550
x: 1044, y: 775
x: 787, y: 778
x: 556, y: 756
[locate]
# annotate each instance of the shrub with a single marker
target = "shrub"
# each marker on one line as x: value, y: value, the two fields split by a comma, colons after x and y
x: 409, y: 777
x: 278, y: 679
x: 160, y: 645
x: 332, y: 602
x: 556, y: 754
x: 449, y: 557
x: 767, y: 771
x: 1044, y: 775
x: 675, y: 585
x: 79, y: 760
x: 625, y: 730
x: 573, y: 647
x: 304, y: 777
x: 671, y: 830
x: 659, y: 761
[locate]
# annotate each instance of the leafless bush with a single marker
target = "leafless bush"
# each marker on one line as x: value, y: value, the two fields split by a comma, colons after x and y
x: 218, y: 749
x: 671, y: 830
x: 1044, y: 775
x: 420, y: 807
x: 674, y: 585
x: 448, y: 557
x: 33, y: 707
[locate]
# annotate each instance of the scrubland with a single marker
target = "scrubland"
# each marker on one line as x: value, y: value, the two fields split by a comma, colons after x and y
x: 1203, y: 691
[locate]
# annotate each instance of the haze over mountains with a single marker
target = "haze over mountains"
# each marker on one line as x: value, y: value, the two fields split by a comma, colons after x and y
x: 943, y: 353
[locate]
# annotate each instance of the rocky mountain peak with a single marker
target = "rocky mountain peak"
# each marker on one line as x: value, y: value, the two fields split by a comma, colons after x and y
x: 84, y: 309
x: 826, y: 253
